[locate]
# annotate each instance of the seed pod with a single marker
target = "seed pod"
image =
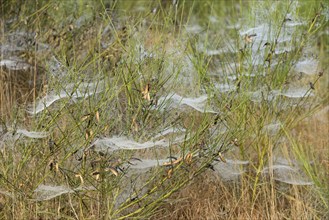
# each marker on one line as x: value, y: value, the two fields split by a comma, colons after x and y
x: 188, y: 158
x: 81, y: 179
x: 169, y: 173
x: 146, y: 92
x: 221, y: 157
x: 112, y: 170
x: 97, y: 116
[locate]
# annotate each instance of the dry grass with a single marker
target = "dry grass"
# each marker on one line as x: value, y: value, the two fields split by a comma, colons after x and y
x: 205, y: 197
x: 18, y: 87
x: 313, y: 133
x: 208, y: 197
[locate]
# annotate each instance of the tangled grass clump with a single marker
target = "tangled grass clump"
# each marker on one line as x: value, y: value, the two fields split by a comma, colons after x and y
x: 148, y: 110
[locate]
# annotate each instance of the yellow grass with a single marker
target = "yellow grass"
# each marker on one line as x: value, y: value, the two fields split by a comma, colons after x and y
x: 209, y: 197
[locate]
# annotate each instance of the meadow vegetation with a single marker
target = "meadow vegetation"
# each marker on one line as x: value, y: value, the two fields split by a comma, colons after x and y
x: 164, y: 109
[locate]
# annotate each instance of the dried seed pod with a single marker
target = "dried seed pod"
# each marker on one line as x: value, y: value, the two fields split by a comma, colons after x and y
x: 97, y: 116
x: 134, y: 124
x: 96, y: 174
x: 85, y: 117
x: 170, y: 163
x: 89, y: 134
x: 112, y: 170
x: 169, y: 173
x: 249, y: 38
x: 188, y: 158
x: 146, y: 92
x: 221, y: 157
x: 81, y: 179
x: 235, y: 142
